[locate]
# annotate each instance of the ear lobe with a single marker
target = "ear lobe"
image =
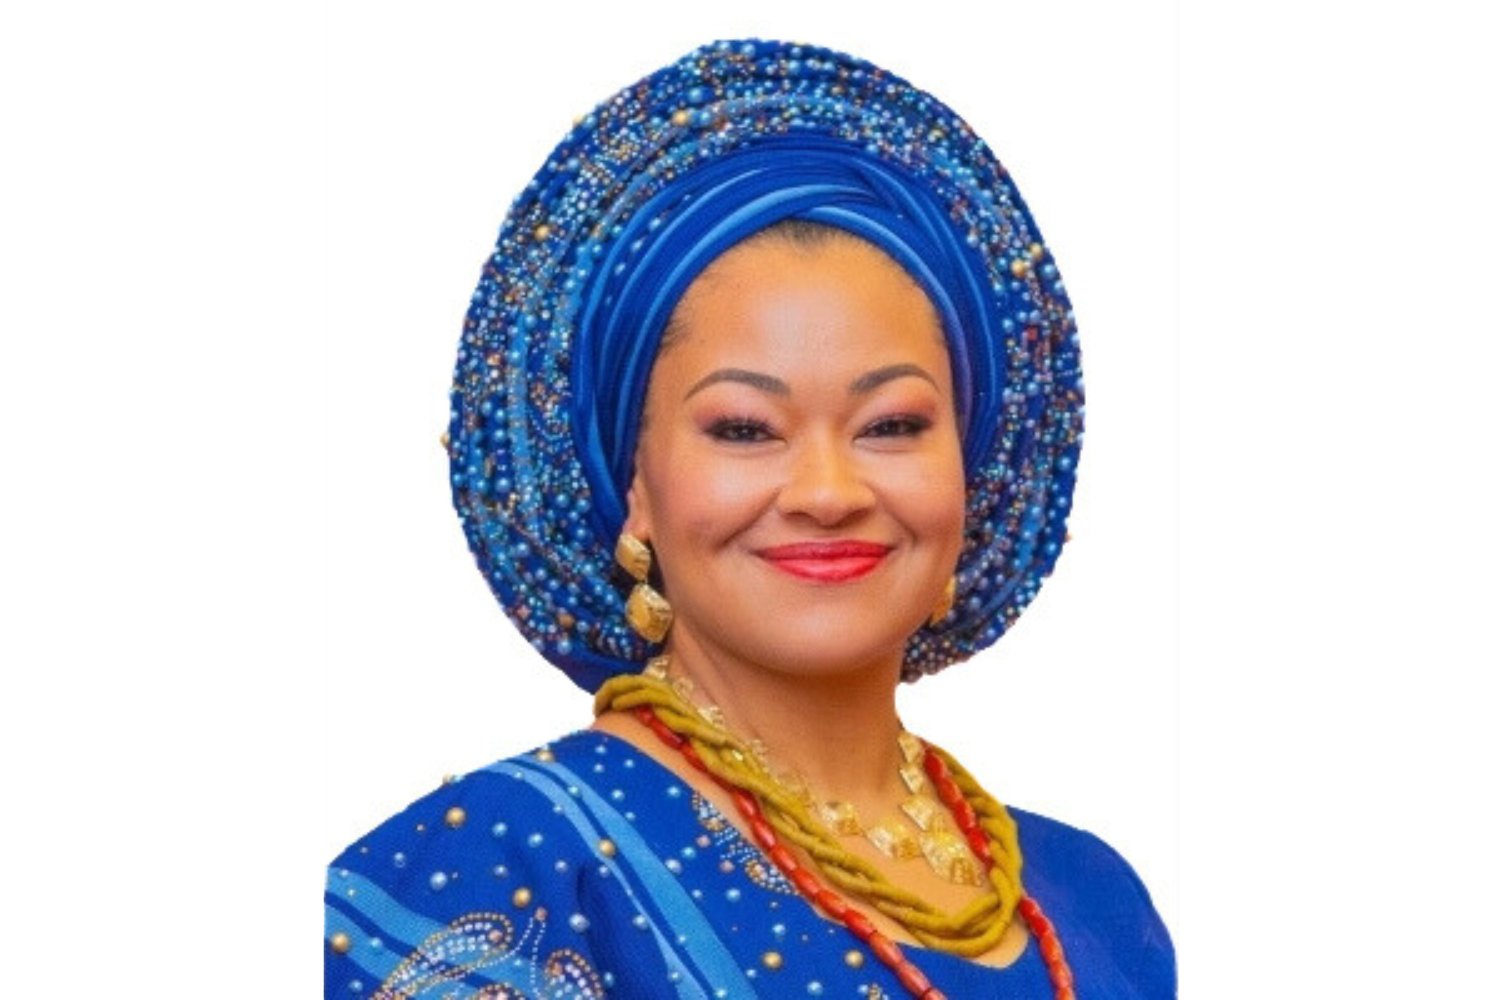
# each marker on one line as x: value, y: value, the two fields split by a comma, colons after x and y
x: 637, y: 511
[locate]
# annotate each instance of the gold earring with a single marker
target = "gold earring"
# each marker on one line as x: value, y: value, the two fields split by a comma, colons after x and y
x: 647, y: 611
x: 945, y: 603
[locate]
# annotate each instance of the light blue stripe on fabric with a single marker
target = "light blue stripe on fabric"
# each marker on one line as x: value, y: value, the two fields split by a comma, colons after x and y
x: 410, y: 930
x: 716, y: 968
x: 379, y: 908
x: 684, y: 980
x: 377, y: 963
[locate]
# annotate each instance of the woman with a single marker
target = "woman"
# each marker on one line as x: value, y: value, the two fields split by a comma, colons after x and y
x: 768, y: 399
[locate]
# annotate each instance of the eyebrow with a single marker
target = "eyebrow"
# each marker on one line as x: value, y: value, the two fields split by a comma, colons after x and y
x: 756, y: 380
x: 871, y: 381
x: 866, y: 383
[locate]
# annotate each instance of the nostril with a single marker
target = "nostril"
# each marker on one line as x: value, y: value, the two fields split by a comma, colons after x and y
x: 826, y: 487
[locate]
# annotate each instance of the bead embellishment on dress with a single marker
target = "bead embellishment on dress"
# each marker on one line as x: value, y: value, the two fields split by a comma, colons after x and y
x: 726, y: 879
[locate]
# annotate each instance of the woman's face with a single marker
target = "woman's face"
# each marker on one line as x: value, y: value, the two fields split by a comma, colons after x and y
x: 799, y: 472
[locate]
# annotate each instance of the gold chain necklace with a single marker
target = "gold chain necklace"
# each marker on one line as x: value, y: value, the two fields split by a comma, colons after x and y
x: 970, y: 930
x: 920, y: 829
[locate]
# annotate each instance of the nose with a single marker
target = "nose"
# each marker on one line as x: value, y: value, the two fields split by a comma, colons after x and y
x: 824, y: 482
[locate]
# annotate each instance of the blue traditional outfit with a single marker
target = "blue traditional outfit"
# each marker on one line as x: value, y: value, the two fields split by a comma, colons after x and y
x: 587, y: 869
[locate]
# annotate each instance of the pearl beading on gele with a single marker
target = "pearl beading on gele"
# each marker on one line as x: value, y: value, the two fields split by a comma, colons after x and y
x: 530, y: 513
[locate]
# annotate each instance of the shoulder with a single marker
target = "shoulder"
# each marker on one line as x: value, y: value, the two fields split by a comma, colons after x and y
x: 1100, y: 905
x: 1049, y: 845
x: 492, y: 810
x: 473, y: 867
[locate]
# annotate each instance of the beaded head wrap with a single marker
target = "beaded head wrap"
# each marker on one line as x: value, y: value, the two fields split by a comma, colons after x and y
x: 642, y: 194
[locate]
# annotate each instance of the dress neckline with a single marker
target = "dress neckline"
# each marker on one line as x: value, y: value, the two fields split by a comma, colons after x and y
x: 930, y: 958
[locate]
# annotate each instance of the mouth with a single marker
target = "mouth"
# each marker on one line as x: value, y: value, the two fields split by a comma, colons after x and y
x: 827, y: 562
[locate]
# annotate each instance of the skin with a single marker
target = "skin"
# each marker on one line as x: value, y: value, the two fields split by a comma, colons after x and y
x: 804, y: 396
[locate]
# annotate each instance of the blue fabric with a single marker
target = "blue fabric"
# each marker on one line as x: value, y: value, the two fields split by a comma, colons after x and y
x: 516, y: 898
x: 642, y: 194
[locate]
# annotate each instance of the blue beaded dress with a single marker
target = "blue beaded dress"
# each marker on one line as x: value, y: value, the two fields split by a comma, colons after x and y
x: 592, y: 871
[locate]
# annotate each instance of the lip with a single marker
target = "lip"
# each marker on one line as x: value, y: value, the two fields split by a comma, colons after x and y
x: 827, y: 562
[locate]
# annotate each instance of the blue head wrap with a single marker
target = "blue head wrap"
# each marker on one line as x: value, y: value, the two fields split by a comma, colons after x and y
x: 636, y: 201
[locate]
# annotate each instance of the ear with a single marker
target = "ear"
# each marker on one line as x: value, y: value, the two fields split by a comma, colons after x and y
x: 637, y: 509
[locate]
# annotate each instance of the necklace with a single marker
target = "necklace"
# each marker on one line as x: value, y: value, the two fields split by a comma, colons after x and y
x: 776, y: 818
x: 889, y: 953
x: 919, y: 830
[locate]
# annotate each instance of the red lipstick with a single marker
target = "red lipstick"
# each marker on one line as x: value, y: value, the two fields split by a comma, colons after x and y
x: 828, y: 562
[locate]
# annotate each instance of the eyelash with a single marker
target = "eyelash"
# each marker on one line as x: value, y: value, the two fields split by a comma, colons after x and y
x: 739, y: 430
x: 905, y: 424
x: 748, y: 430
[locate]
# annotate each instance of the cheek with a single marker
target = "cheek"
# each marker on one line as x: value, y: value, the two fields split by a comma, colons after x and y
x: 703, y: 501
x: 949, y: 516
x: 935, y: 504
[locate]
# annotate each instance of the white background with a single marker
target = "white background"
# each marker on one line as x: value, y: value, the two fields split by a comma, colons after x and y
x: 241, y: 626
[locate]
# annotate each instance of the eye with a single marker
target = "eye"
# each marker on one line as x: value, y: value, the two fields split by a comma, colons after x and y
x: 739, y: 430
x: 897, y: 425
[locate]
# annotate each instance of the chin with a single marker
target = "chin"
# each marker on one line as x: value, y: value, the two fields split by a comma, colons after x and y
x: 826, y: 646
x: 808, y: 629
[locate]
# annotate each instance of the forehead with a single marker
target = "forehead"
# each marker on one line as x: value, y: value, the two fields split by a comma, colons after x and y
x: 778, y: 304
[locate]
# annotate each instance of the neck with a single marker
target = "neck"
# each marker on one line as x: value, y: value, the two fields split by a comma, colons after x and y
x: 838, y: 730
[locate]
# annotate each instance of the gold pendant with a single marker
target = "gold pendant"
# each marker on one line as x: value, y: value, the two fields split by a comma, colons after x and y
x: 841, y: 818
x: 926, y: 813
x: 950, y: 857
x: 894, y: 839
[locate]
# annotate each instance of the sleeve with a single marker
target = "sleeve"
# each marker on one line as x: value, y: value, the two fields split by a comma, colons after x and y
x: 481, y: 889
x: 1142, y: 946
x: 1113, y: 937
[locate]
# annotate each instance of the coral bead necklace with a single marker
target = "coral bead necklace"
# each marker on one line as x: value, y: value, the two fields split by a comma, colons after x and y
x: 655, y: 704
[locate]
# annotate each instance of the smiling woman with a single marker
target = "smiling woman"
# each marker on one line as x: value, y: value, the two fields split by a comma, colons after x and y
x: 800, y: 451
x: 773, y: 332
